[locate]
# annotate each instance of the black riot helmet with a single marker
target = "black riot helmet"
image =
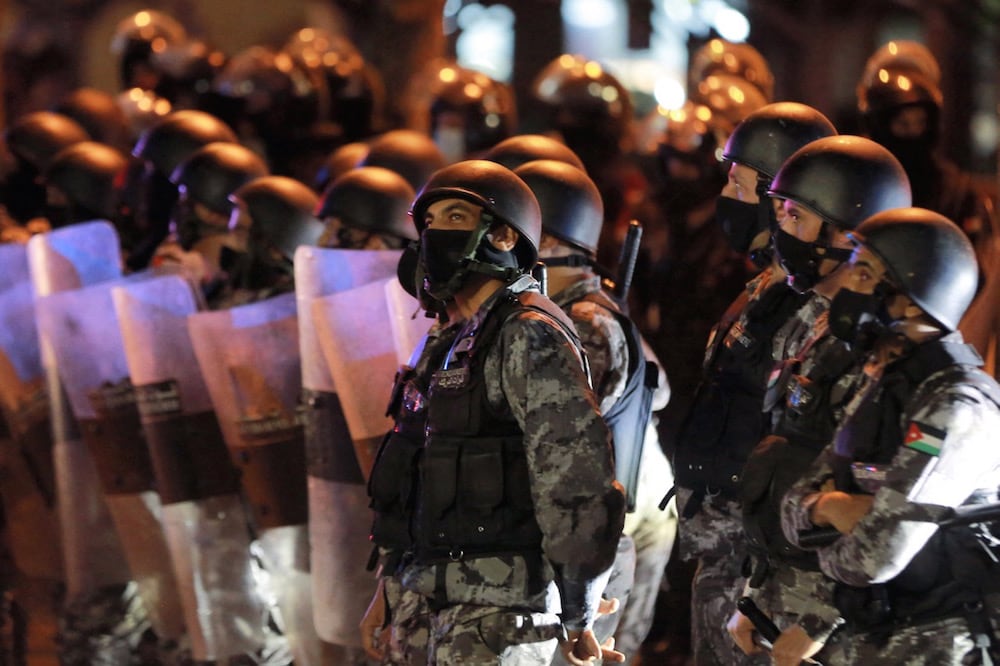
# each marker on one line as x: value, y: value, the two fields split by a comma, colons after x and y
x: 411, y: 154
x: 523, y: 148
x: 587, y: 105
x: 370, y: 199
x: 280, y: 210
x: 268, y: 92
x: 188, y: 70
x: 172, y: 140
x: 89, y: 175
x: 889, y: 91
x: 901, y: 55
x: 143, y: 109
x: 215, y: 171
x: 843, y: 179
x: 572, y: 209
x: 769, y: 136
x: 340, y: 160
x: 505, y: 199
x: 136, y: 39
x: 99, y: 114
x: 35, y: 138
x: 762, y: 142
x: 352, y: 95
x: 463, y: 110
x: 32, y: 141
x: 928, y: 258
x: 719, y: 56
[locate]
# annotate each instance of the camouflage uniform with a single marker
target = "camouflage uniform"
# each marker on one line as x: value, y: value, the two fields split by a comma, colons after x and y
x: 787, y: 588
x: 711, y: 527
x: 943, y: 455
x: 510, y: 608
x: 651, y: 529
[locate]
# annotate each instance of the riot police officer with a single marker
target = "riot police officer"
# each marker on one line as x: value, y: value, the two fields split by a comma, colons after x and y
x: 466, y: 112
x: 367, y: 209
x: 628, y: 382
x: 827, y: 186
x: 83, y: 183
x: 201, y: 239
x: 470, y: 565
x: 31, y: 142
x: 916, y: 441
x: 163, y: 147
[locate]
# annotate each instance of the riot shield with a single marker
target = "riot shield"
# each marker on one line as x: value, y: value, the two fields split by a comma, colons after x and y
x: 69, y: 258
x: 339, y: 518
x: 249, y: 358
x: 83, y: 331
x: 205, y: 521
x: 28, y: 490
x: 357, y: 356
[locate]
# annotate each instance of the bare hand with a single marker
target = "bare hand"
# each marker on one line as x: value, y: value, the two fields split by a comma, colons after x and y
x: 793, y: 646
x: 374, y: 631
x: 582, y: 647
x: 741, y: 630
x: 842, y: 510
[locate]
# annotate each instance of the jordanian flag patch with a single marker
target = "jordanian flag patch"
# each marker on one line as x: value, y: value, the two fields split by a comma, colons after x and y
x: 924, y: 438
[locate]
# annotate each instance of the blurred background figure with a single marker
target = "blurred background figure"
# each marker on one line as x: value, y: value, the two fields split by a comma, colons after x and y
x: 162, y: 148
x: 136, y: 39
x: 464, y: 111
x: 30, y: 144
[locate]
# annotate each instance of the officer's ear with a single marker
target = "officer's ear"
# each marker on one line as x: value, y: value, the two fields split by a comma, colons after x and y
x: 503, y: 237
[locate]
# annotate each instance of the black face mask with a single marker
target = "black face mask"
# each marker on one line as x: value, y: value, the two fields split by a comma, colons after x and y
x: 798, y: 260
x: 859, y: 319
x: 741, y: 221
x: 801, y: 260
x: 441, y: 256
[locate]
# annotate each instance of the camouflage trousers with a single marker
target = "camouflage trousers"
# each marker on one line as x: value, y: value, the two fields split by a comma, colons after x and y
x: 715, y: 536
x: 465, y: 634
x: 941, y: 643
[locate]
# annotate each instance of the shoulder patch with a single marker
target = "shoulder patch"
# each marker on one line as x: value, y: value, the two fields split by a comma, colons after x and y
x: 924, y: 438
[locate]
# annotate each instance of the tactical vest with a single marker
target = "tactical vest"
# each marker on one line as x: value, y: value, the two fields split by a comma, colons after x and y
x: 725, y: 421
x: 805, y: 426
x: 628, y: 417
x: 937, y: 582
x: 459, y: 487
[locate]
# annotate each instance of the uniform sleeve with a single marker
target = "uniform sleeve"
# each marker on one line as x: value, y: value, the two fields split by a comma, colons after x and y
x: 607, y: 351
x: 948, y: 455
x: 577, y: 505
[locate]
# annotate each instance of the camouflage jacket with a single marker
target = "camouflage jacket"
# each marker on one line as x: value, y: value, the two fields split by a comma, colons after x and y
x: 534, y: 374
x: 945, y: 455
x: 601, y: 336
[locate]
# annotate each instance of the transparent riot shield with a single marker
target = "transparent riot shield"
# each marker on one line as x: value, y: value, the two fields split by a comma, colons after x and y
x: 361, y: 353
x: 82, y: 328
x: 69, y: 258
x: 249, y: 358
x: 204, y: 517
x: 339, y: 518
x: 28, y: 489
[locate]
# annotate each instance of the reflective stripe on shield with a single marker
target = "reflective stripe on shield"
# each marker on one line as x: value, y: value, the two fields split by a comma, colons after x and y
x: 203, y: 513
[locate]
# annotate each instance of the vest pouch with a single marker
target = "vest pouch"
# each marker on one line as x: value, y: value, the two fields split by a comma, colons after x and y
x: 439, y: 477
x: 391, y: 483
x: 480, y: 476
x: 723, y: 427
